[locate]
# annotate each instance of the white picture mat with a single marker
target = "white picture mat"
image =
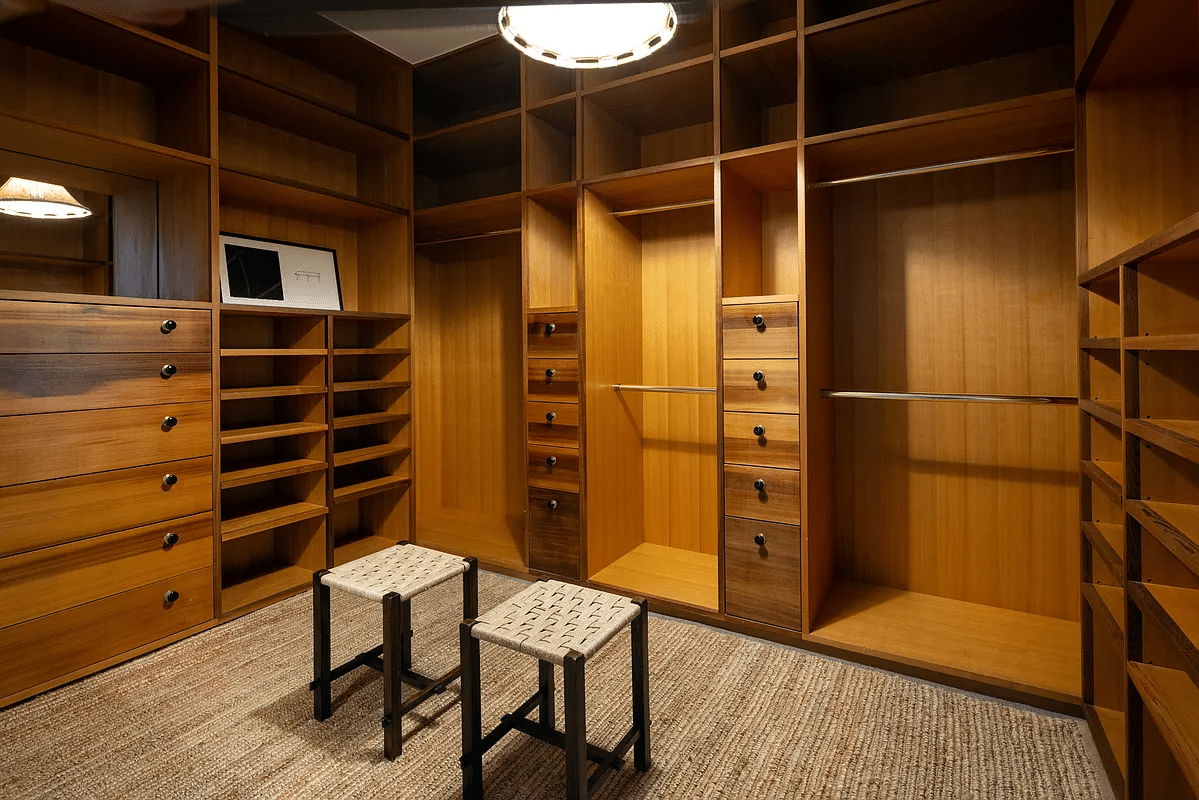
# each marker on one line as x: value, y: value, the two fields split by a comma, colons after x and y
x: 309, y: 276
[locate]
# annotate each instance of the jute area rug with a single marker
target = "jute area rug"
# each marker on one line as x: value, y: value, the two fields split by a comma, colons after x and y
x: 227, y: 714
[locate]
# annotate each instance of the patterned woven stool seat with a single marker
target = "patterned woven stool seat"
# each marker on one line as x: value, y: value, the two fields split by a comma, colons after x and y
x: 564, y: 625
x: 392, y: 577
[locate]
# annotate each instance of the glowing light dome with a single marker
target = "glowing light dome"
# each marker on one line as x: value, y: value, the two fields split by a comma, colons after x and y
x: 591, y: 35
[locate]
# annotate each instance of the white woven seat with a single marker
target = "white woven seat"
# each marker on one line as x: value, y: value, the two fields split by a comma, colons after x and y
x: 406, y: 570
x: 549, y: 619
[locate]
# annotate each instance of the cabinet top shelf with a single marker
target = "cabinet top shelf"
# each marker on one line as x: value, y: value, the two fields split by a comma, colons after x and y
x: 277, y: 192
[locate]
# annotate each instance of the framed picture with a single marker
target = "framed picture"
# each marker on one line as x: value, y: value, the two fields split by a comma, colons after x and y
x: 265, y: 272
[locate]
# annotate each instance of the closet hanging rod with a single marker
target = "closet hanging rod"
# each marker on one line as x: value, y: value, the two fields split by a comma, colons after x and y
x: 969, y: 162
x: 961, y: 398
x: 504, y: 232
x: 628, y: 387
x: 636, y: 212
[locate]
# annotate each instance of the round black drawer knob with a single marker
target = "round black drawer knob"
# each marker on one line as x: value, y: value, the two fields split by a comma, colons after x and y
x: 169, y: 422
x: 549, y: 373
x: 170, y: 479
x: 169, y: 325
x: 552, y: 461
x: 171, y: 539
x: 168, y: 370
x: 760, y: 485
x: 761, y: 323
x: 760, y: 540
x: 551, y: 505
x: 550, y: 417
x: 759, y: 376
x: 171, y: 596
x: 759, y: 430
x: 550, y: 328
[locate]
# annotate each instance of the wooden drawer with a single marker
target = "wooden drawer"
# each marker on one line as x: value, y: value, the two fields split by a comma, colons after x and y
x: 562, y: 429
x: 40, y: 384
x: 560, y: 341
x: 54, y: 578
x: 776, y: 337
x: 777, y: 446
x: 35, y: 515
x: 561, y: 475
x: 45, y: 446
x: 777, y: 501
x: 776, y: 393
x: 49, y: 647
x: 554, y: 532
x: 83, y: 328
x: 762, y: 582
x: 554, y: 380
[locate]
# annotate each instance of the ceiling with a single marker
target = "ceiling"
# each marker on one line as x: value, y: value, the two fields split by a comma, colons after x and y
x: 419, y: 34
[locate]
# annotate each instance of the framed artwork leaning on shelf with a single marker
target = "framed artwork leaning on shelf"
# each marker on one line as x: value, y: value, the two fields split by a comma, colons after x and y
x: 266, y: 272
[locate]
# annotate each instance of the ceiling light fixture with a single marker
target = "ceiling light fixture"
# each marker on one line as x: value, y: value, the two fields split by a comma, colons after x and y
x: 20, y: 197
x: 589, y: 35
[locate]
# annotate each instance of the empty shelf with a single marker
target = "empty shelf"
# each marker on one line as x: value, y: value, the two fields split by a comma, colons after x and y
x: 361, y: 454
x: 1175, y: 525
x: 669, y: 573
x: 263, y: 586
x: 259, y: 473
x: 362, y: 420
x: 353, y: 491
x: 1172, y: 700
x: 366, y: 386
x: 240, y: 522
x: 262, y: 432
x: 259, y: 392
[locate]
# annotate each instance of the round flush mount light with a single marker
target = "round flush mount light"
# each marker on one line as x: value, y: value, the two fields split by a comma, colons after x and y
x: 588, y: 35
x: 20, y: 197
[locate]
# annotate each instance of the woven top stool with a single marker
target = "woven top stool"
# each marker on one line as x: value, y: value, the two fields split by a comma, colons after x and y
x: 559, y: 624
x: 392, y: 577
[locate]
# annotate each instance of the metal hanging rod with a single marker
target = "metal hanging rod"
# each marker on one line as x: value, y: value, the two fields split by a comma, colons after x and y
x: 970, y: 162
x: 628, y: 387
x: 504, y: 232
x: 636, y: 212
x: 960, y: 398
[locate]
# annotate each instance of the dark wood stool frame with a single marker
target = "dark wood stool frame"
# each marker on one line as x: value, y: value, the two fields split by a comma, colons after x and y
x: 574, y: 739
x: 393, y: 658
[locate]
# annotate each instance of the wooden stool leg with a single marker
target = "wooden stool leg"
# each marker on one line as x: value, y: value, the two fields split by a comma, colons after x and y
x: 321, y: 658
x: 472, y: 714
x: 470, y: 589
x: 393, y: 646
x: 641, y: 721
x: 406, y: 635
x: 545, y: 683
x: 575, y: 702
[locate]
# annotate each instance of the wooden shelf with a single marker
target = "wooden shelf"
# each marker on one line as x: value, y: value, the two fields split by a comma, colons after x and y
x: 1179, y: 436
x: 483, y: 147
x: 766, y: 69
x: 761, y: 45
x: 1102, y: 411
x: 372, y: 351
x: 353, y: 491
x: 1100, y: 343
x: 260, y: 433
x: 1107, y: 540
x: 263, y: 586
x: 1178, y: 242
x: 245, y: 521
x: 769, y: 168
x: 1172, y: 701
x: 1107, y: 605
x: 1111, y: 725
x: 666, y: 573
x: 275, y: 192
x: 362, y: 454
x: 370, y: 316
x: 474, y: 218
x: 1131, y: 30
x: 995, y: 646
x: 1179, y: 341
x: 474, y: 132
x: 259, y: 392
x: 560, y: 196
x: 362, y: 420
x: 653, y: 75
x: 305, y: 116
x: 1175, y: 525
x: 1176, y: 611
x: 748, y: 300
x: 263, y: 352
x: 494, y: 544
x: 1107, y: 475
x: 239, y: 475
x: 52, y: 262
x: 366, y: 386
x: 1011, y: 126
x: 651, y: 187
x: 355, y: 547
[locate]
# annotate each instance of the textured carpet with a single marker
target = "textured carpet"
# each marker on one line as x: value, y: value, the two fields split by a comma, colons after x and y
x: 227, y: 714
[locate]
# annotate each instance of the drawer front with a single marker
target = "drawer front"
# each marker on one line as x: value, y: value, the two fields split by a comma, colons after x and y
x: 554, y: 380
x: 776, y: 393
x: 762, y: 581
x: 554, y: 532
x: 40, y: 384
x: 776, y: 337
x: 46, y: 446
x: 560, y: 429
x: 81, y: 328
x: 776, y: 501
x: 54, y: 578
x: 554, y: 468
x: 49, y: 647
x: 776, y: 446
x: 35, y: 515
x: 553, y: 335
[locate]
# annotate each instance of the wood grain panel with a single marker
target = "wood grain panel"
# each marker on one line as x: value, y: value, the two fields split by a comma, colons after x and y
x: 56, y: 578
x: 562, y: 386
x: 44, y: 648
x: 777, y: 501
x: 554, y: 544
x: 78, y: 328
x: 561, y: 475
x: 762, y: 582
x: 561, y: 342
x: 562, y: 429
x: 35, y: 515
x: 778, y: 446
x: 776, y: 337
x: 776, y: 393
x: 47, y: 446
x: 32, y: 384
x: 550, y: 245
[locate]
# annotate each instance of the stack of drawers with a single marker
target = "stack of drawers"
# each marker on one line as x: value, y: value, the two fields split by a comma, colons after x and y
x: 761, y: 463
x: 555, y: 459
x: 105, y: 485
